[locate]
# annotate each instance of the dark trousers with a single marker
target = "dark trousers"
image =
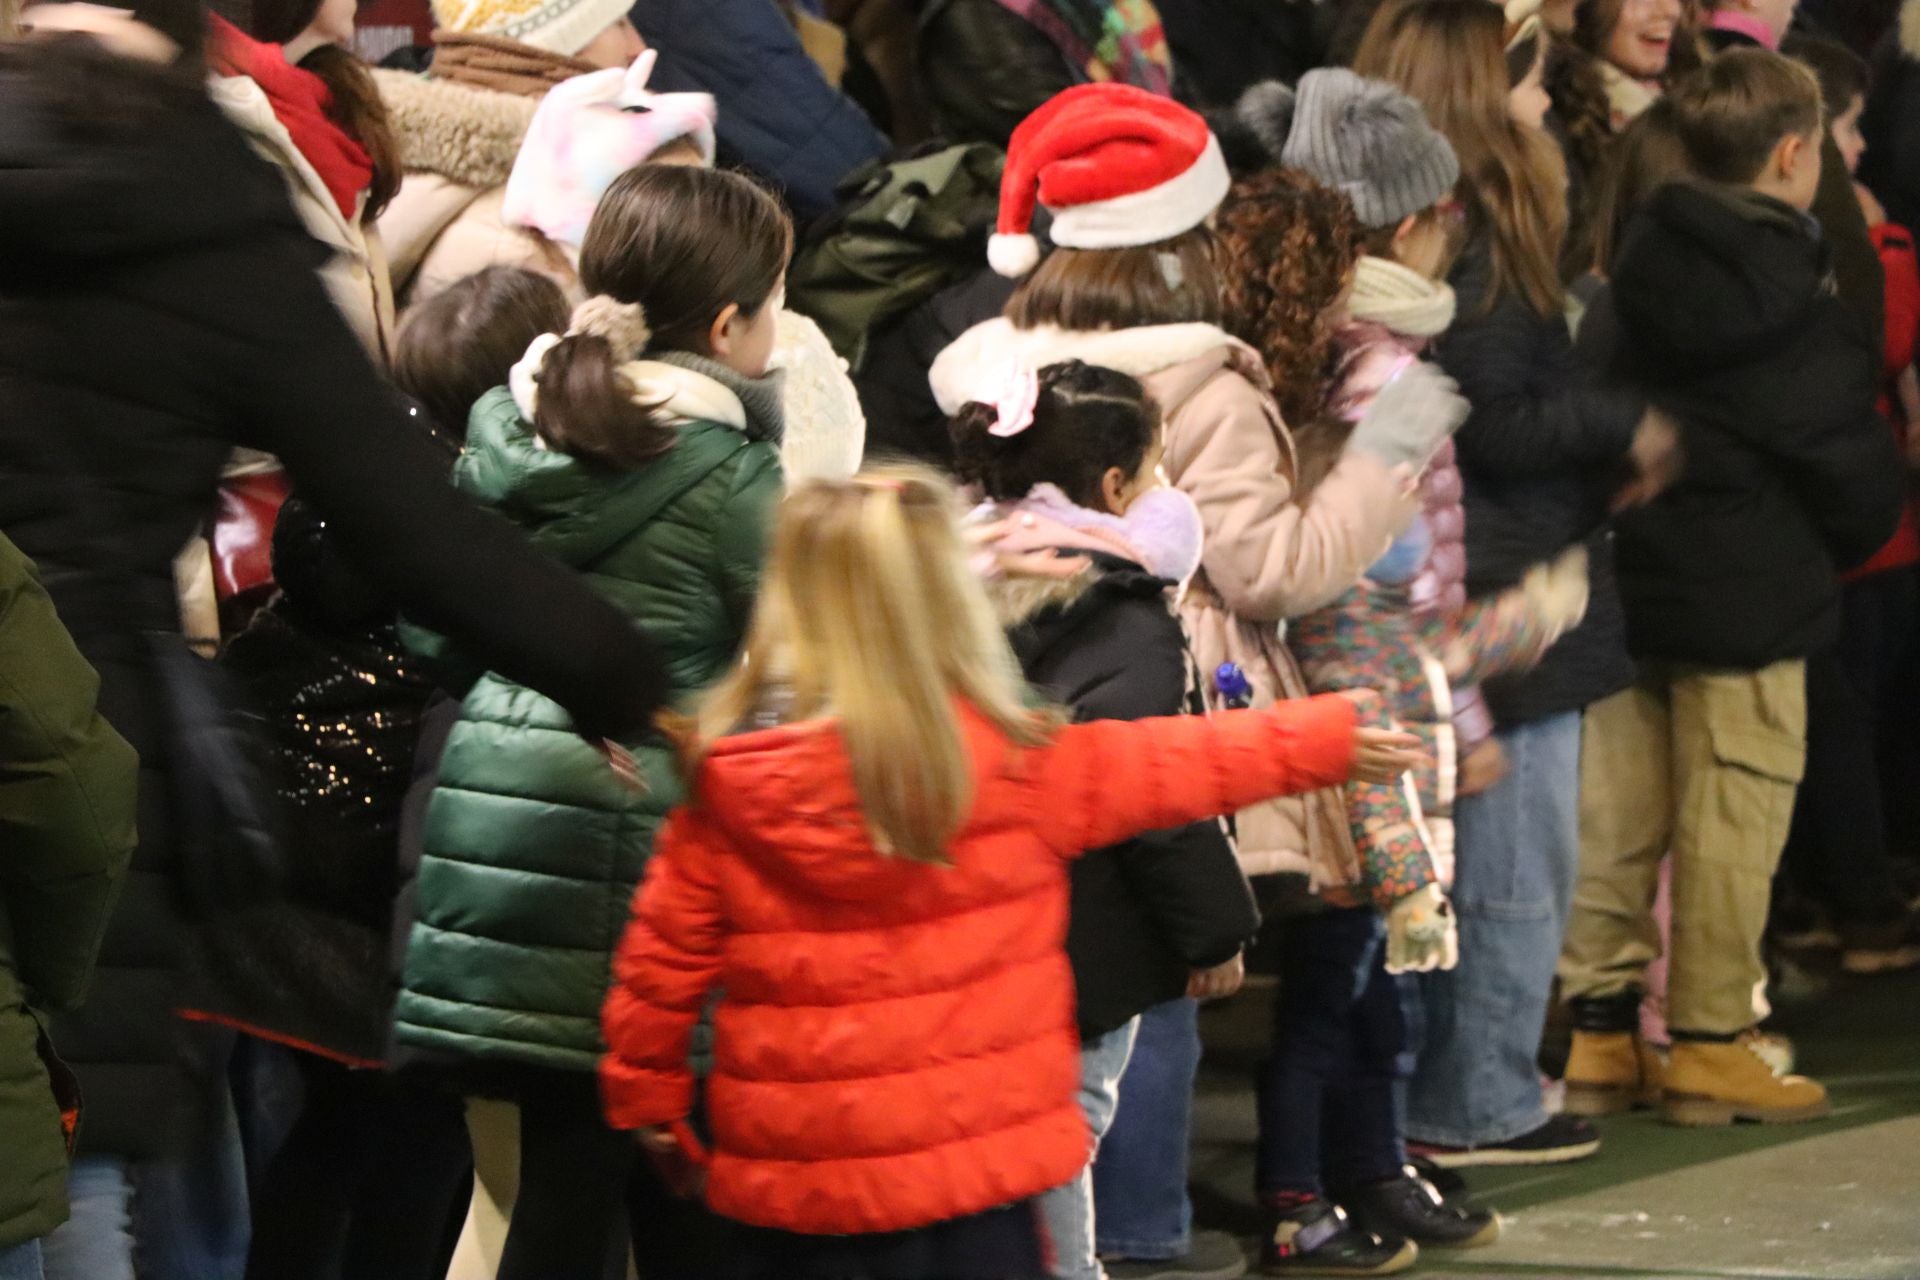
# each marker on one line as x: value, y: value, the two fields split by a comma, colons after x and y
x: 1859, y: 754
x: 586, y: 1193
x: 1000, y: 1244
x: 1329, y: 1093
x: 368, y: 1183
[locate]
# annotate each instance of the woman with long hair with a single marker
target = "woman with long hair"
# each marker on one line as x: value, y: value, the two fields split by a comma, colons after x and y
x: 1541, y: 455
x: 162, y: 307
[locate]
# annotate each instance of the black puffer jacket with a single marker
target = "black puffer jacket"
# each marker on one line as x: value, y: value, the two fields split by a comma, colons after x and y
x: 983, y: 69
x: 1540, y: 453
x: 158, y: 306
x: 1790, y: 472
x: 1145, y: 913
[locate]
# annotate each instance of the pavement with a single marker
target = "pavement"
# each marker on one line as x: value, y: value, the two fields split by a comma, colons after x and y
x: 1834, y: 1200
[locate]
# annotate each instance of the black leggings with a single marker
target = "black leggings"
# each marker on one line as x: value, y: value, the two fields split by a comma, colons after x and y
x: 581, y: 1183
x: 370, y: 1183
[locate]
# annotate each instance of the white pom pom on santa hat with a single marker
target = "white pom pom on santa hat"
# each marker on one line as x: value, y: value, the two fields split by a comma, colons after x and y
x: 1013, y: 256
x: 1114, y: 165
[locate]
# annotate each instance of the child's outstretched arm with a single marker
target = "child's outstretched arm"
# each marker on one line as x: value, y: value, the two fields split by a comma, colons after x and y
x: 666, y: 965
x: 1513, y: 630
x: 1104, y: 782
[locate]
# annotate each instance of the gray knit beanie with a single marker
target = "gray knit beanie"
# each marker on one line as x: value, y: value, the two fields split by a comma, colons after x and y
x: 1361, y: 137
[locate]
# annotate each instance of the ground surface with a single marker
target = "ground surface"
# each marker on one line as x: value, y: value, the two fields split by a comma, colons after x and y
x: 1836, y: 1200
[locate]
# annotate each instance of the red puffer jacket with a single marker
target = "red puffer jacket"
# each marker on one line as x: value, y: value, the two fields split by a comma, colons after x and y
x: 896, y: 1043
x: 1895, y: 245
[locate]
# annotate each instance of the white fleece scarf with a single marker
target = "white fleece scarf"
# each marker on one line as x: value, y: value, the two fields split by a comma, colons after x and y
x: 1400, y: 299
x: 978, y: 360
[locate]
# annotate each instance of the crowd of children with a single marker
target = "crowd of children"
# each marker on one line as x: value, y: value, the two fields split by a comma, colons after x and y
x: 1440, y: 525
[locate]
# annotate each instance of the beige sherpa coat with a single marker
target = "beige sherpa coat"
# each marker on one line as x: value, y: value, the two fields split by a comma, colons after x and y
x: 458, y: 144
x: 1267, y: 558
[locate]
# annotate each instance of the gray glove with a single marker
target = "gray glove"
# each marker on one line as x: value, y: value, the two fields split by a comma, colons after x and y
x: 1410, y: 416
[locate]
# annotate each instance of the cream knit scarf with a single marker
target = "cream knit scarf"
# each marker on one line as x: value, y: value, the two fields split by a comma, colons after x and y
x: 1401, y: 299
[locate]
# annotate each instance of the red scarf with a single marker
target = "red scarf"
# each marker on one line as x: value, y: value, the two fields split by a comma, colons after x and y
x: 301, y: 102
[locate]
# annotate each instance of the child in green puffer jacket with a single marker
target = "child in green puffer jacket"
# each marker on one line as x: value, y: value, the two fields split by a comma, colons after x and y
x: 642, y: 448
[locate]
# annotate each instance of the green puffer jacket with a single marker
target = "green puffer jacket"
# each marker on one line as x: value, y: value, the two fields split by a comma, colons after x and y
x: 67, y: 784
x: 532, y: 846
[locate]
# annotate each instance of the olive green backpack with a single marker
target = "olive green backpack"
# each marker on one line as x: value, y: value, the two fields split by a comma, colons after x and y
x: 903, y: 231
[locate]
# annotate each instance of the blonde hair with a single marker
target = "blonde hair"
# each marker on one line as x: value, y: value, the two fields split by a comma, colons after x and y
x: 870, y: 613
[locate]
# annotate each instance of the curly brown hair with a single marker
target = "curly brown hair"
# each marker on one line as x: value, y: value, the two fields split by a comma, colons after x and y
x: 1288, y: 250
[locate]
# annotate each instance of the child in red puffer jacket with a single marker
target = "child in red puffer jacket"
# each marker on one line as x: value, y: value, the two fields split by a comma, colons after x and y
x: 873, y: 868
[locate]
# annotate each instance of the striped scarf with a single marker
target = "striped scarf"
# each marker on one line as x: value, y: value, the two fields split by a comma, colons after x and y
x: 1117, y: 40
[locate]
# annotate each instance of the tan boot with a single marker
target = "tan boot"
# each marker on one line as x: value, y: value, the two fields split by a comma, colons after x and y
x: 1716, y: 1084
x: 1610, y: 1072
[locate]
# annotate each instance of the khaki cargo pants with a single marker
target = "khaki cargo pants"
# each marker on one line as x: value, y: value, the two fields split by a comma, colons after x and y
x: 1702, y: 764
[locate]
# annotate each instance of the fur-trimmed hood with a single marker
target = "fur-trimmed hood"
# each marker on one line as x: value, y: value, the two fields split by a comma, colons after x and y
x: 1156, y: 545
x: 467, y: 135
x: 981, y: 357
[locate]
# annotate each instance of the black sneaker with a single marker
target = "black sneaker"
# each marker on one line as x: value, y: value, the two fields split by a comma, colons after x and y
x: 1317, y: 1240
x: 1408, y: 1208
x: 1561, y: 1140
x: 1210, y: 1255
x: 1886, y: 947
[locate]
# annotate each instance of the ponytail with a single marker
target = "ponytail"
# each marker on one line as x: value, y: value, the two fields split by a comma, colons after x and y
x: 589, y: 409
x: 362, y: 113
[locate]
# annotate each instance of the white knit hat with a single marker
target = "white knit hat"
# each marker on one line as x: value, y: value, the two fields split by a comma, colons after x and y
x: 564, y: 27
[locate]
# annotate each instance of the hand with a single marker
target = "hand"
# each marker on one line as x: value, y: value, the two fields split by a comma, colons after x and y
x: 1379, y: 754
x: 684, y: 1173
x: 1422, y: 933
x: 1218, y: 982
x: 1557, y: 593
x: 990, y: 563
x: 1410, y: 416
x: 1482, y: 768
x: 1870, y: 205
x: 1656, y: 459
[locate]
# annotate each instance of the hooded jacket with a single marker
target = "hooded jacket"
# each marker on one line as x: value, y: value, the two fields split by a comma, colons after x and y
x: 532, y: 846
x: 145, y: 330
x: 1790, y: 474
x: 1107, y: 646
x: 1267, y: 558
x: 67, y: 784
x: 895, y: 1041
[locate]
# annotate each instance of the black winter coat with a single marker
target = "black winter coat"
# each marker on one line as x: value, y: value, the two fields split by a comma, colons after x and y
x: 983, y: 69
x: 158, y: 306
x: 1222, y: 47
x: 1721, y: 311
x: 1540, y: 453
x: 1147, y: 912
x: 341, y: 704
x: 903, y: 418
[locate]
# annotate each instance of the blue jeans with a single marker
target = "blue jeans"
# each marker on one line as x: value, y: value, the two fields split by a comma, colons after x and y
x: 1328, y: 1094
x: 1140, y: 1173
x: 96, y: 1242
x: 1068, y: 1210
x: 21, y: 1262
x: 187, y: 1214
x: 1478, y: 1082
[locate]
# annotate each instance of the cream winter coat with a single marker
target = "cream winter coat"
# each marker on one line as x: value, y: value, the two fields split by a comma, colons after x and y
x: 356, y: 275
x: 1267, y: 558
x: 458, y: 144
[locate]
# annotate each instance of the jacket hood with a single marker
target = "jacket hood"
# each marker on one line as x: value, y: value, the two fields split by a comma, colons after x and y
x: 468, y: 135
x: 981, y: 357
x: 71, y: 188
x: 1753, y: 267
x: 570, y: 509
x: 785, y: 797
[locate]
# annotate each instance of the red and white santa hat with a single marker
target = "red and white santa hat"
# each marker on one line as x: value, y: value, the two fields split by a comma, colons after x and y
x: 1114, y: 165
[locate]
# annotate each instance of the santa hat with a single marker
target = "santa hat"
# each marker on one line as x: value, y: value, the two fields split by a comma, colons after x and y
x: 1115, y: 166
